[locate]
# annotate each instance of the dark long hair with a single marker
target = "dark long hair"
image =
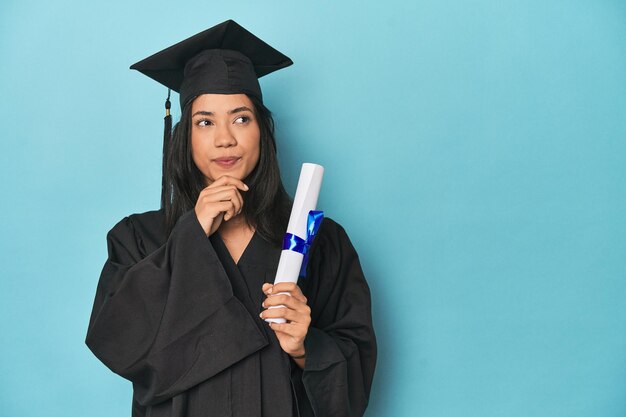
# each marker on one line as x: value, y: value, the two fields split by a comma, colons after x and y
x: 266, y: 206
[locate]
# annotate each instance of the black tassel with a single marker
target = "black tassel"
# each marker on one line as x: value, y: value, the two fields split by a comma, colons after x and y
x: 167, y: 135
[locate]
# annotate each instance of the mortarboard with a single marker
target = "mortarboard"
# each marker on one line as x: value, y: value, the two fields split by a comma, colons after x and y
x: 224, y: 59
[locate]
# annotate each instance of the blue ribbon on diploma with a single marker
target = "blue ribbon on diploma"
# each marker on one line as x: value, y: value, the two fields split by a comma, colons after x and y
x: 297, y: 244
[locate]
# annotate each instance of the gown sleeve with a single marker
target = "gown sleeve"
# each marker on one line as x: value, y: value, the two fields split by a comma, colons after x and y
x: 340, y: 343
x: 168, y: 320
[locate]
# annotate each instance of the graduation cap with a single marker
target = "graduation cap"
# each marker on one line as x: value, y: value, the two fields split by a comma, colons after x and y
x: 224, y: 59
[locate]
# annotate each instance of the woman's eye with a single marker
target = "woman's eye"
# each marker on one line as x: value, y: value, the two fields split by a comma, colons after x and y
x: 242, y: 119
x: 204, y: 122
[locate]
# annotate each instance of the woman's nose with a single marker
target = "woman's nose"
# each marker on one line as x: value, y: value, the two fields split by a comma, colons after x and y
x: 224, y: 137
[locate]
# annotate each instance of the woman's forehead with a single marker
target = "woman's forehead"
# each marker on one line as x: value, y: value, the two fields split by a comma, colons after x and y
x: 215, y: 103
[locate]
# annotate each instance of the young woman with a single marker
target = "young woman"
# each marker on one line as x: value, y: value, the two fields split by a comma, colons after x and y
x: 182, y: 298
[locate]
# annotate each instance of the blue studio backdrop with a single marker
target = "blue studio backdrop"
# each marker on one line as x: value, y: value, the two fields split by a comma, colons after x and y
x: 474, y: 151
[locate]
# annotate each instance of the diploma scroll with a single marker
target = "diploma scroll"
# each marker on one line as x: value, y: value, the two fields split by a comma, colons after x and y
x: 304, y: 202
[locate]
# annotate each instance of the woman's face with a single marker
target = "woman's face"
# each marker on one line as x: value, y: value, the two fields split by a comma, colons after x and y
x: 225, y: 135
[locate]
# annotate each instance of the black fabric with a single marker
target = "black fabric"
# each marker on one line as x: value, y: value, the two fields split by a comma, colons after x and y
x: 256, y: 266
x: 178, y: 318
x: 224, y: 59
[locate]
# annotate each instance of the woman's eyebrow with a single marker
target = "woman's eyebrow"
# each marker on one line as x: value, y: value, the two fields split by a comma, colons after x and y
x: 239, y: 110
x: 209, y: 113
x: 202, y: 113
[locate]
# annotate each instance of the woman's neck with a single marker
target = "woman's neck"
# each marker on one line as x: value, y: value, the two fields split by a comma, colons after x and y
x: 236, y: 234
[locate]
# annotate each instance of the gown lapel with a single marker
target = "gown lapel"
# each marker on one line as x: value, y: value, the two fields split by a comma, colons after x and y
x: 257, y: 265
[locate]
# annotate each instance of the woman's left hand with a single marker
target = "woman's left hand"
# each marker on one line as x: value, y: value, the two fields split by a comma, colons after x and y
x: 296, y: 311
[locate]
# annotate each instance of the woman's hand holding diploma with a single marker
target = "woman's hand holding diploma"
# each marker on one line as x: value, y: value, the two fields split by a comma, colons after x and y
x: 295, y: 310
x: 220, y: 201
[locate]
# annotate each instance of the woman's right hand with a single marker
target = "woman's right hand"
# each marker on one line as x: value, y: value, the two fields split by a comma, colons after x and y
x: 219, y: 201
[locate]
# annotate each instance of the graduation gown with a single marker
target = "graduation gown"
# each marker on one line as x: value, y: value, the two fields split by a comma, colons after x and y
x: 179, y: 319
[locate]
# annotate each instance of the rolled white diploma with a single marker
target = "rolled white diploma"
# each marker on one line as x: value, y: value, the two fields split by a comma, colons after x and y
x: 305, y: 200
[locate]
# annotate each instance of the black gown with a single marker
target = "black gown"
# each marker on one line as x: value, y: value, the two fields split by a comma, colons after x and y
x: 177, y: 317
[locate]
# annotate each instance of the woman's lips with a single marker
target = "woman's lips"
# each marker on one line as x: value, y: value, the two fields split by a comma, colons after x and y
x: 227, y: 162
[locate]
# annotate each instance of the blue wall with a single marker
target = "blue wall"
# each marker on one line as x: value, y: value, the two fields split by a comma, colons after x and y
x: 475, y: 152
